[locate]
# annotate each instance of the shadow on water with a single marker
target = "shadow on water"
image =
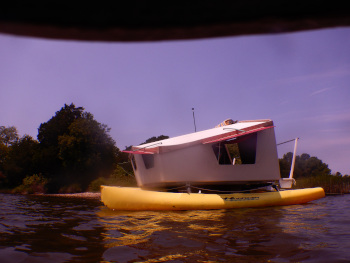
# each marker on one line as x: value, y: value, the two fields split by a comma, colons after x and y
x: 56, y: 229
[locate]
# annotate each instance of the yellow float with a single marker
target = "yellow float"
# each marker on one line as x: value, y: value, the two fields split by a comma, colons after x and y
x: 128, y: 198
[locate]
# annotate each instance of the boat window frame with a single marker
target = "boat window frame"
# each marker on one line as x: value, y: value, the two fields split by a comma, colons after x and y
x: 246, y: 146
x: 133, y: 161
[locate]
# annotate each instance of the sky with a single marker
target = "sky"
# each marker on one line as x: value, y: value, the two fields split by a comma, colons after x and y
x: 299, y: 80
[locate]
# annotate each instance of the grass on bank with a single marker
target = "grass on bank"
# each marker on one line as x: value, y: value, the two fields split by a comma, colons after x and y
x: 118, y: 180
x: 36, y: 184
x: 332, y: 184
x: 120, y: 177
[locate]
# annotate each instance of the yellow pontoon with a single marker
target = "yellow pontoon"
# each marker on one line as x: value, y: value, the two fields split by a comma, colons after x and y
x: 128, y: 198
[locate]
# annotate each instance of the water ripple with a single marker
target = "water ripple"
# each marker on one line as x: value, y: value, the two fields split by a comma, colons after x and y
x: 55, y: 229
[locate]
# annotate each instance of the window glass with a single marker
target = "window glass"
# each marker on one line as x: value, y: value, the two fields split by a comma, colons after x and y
x: 148, y: 159
x: 238, y: 151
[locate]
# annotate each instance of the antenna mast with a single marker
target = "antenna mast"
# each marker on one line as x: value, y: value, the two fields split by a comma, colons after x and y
x: 194, y: 121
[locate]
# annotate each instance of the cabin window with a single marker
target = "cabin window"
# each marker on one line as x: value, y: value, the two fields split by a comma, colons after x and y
x: 148, y: 160
x: 238, y: 151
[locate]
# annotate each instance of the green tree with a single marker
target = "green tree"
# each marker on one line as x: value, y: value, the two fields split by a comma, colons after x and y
x: 75, y: 148
x: 285, y: 164
x: 21, y: 161
x: 154, y: 139
x: 48, y: 134
x: 4, y: 151
x: 8, y: 136
x: 87, y: 151
x: 305, y: 166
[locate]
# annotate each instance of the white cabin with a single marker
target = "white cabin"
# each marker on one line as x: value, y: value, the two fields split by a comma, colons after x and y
x: 242, y: 153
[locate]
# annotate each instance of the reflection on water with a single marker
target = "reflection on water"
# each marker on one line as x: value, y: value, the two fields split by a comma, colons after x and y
x: 55, y: 229
x: 44, y: 229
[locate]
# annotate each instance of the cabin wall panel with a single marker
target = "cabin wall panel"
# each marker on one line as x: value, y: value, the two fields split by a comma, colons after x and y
x: 198, y: 164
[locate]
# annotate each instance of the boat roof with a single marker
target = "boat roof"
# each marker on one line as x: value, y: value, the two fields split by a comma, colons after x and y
x: 217, y: 134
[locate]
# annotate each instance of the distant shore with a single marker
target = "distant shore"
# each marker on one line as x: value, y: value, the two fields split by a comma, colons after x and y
x: 78, y: 195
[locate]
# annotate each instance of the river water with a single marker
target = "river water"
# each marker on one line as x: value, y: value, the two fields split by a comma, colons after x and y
x: 59, y: 229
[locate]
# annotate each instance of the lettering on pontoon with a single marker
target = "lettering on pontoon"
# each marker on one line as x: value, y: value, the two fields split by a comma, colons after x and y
x: 246, y: 198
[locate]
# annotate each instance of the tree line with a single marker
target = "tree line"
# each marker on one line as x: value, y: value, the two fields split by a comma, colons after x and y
x: 305, y: 166
x: 309, y: 171
x: 74, y: 151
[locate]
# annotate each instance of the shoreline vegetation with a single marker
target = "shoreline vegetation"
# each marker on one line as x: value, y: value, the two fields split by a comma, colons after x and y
x: 309, y: 171
x: 332, y: 184
x: 88, y: 195
x: 74, y: 155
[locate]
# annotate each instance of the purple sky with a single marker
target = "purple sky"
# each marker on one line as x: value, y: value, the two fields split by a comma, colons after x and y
x: 299, y: 80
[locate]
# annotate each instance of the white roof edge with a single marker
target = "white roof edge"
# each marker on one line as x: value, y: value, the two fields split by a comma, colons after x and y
x: 205, y: 135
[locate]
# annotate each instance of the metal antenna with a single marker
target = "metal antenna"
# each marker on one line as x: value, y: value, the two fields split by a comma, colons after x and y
x: 194, y: 121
